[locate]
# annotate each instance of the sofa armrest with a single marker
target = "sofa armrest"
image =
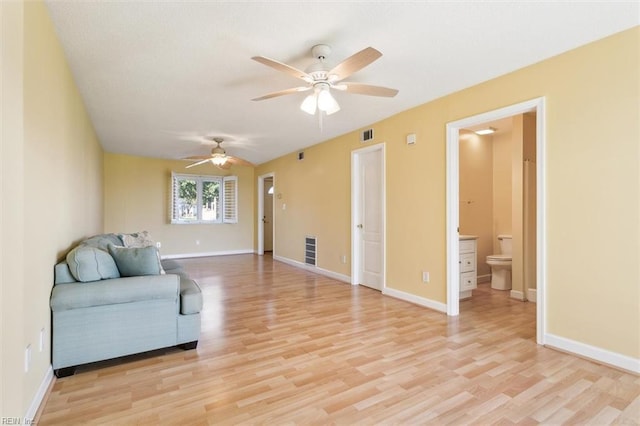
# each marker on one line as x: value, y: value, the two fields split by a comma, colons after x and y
x: 190, y: 297
x: 114, y: 291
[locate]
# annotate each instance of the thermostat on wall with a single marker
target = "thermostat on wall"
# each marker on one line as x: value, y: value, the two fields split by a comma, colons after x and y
x: 411, y: 139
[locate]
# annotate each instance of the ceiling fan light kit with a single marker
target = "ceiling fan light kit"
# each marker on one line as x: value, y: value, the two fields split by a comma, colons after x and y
x: 322, y: 79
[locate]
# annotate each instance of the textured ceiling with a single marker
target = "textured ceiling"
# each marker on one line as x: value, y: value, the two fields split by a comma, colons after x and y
x: 157, y: 77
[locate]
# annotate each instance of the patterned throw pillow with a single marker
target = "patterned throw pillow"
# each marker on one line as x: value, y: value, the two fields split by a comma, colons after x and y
x: 137, y: 240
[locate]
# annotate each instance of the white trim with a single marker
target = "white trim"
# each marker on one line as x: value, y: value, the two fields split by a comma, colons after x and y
x: 532, y: 295
x: 355, y: 212
x: 515, y: 294
x: 483, y: 278
x: 452, y: 211
x: 594, y: 353
x: 207, y: 254
x: 314, y: 269
x: 422, y: 301
x: 261, y: 180
x: 40, y: 394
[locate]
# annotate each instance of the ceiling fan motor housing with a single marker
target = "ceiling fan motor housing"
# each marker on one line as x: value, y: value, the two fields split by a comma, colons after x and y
x: 320, y: 51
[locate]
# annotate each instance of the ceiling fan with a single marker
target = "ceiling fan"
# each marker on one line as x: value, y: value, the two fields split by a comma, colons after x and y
x: 218, y: 157
x: 321, y: 79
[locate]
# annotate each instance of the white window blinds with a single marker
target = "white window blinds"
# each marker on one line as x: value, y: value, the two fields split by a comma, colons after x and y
x: 230, y: 197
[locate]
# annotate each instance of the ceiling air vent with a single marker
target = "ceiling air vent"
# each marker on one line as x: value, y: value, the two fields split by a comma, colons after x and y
x: 367, y: 135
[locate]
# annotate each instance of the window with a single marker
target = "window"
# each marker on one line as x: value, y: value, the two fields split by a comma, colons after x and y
x: 204, y: 199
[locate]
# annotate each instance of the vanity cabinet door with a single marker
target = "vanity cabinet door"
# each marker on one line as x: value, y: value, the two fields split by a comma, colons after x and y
x: 467, y: 281
x: 467, y: 262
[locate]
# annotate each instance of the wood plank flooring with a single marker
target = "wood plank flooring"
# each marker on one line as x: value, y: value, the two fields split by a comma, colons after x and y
x: 280, y: 345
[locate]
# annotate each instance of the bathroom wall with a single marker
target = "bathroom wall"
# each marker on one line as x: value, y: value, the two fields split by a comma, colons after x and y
x: 529, y: 199
x: 502, y: 188
x: 487, y: 194
x: 523, y: 146
x: 476, y: 195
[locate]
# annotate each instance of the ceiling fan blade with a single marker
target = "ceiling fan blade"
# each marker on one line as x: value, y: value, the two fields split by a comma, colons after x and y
x: 198, y: 163
x: 354, y: 63
x: 288, y: 69
x: 282, y: 93
x: 366, y: 89
x: 198, y: 157
x: 239, y: 161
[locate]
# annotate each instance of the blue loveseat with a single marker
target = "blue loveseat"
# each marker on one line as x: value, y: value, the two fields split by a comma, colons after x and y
x: 110, y: 300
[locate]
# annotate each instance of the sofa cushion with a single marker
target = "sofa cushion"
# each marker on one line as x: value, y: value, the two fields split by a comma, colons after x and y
x: 88, y: 263
x: 62, y: 274
x: 136, y: 261
x: 190, y: 297
x: 112, y: 292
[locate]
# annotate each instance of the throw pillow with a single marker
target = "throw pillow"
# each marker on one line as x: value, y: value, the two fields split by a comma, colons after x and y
x: 91, y: 264
x: 135, y: 261
x: 137, y: 239
x: 140, y: 239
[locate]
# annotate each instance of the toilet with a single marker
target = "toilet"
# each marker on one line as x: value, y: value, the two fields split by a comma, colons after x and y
x: 501, y: 265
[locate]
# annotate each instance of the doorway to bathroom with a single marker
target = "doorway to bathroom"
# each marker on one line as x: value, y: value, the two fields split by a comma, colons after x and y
x: 495, y: 186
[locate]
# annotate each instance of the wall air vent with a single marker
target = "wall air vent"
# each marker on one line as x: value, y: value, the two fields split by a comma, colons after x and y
x: 310, y: 251
x: 366, y: 135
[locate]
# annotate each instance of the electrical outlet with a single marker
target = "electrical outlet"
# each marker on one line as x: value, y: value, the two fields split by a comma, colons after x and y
x: 27, y: 358
x: 425, y: 277
x: 343, y: 259
x: 158, y: 244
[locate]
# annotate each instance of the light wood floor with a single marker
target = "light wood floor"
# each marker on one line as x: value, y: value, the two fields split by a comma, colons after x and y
x: 283, y: 346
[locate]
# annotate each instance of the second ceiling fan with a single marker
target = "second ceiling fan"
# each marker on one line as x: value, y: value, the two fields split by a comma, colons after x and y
x: 322, y: 79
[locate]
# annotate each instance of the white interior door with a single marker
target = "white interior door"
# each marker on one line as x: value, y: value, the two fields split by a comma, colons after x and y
x: 369, y: 217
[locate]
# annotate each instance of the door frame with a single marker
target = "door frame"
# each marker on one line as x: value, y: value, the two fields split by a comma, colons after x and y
x: 261, y: 180
x: 453, y: 205
x: 356, y: 254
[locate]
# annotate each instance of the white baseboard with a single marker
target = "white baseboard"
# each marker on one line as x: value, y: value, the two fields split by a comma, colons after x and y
x: 422, y: 301
x: 532, y: 295
x: 207, y: 254
x: 515, y: 294
x: 592, y: 352
x: 484, y: 278
x: 315, y: 269
x: 39, y: 396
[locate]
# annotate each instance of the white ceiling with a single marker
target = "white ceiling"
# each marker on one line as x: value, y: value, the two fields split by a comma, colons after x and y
x: 158, y: 76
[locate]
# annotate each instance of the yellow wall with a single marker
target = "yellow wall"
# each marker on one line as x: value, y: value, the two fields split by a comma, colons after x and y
x: 51, y: 189
x: 502, y: 184
x: 476, y: 195
x: 137, y: 198
x: 592, y: 163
